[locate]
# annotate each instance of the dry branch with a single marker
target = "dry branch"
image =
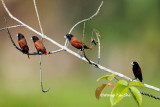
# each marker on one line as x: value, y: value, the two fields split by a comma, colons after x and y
x: 40, y: 62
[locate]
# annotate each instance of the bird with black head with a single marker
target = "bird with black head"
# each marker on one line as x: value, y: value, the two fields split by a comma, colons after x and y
x: 137, y: 71
x: 23, y: 44
x: 39, y: 45
x: 76, y: 43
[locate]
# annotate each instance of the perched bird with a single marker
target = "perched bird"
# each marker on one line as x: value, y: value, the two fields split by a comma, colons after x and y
x: 23, y: 44
x: 76, y: 43
x: 137, y: 71
x: 39, y: 45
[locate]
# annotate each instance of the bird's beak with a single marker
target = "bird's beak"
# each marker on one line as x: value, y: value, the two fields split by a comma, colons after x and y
x: 65, y: 36
x: 31, y: 39
x: 17, y: 34
x: 132, y: 63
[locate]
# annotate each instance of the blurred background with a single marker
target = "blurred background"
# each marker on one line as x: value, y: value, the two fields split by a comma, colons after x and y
x: 130, y: 31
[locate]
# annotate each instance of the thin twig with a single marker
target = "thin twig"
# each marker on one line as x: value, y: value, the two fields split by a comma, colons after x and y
x: 90, y: 62
x: 41, y: 80
x: 84, y: 54
x: 149, y: 95
x: 41, y: 76
x: 84, y: 21
x: 51, y: 52
x: 102, y: 68
x: 11, y: 38
x: 83, y: 34
x: 87, y: 18
x: 11, y: 27
x: 34, y: 1
x: 83, y: 39
x: 99, y: 47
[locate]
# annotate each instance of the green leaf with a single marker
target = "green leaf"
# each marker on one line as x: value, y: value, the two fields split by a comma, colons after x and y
x: 136, y: 94
x: 122, y: 82
x: 107, y: 77
x: 118, y: 93
x: 99, y: 90
x: 136, y: 83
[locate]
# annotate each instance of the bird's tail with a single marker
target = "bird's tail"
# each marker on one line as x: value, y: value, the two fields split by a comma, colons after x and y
x: 28, y: 55
x: 47, y: 53
x: 86, y: 47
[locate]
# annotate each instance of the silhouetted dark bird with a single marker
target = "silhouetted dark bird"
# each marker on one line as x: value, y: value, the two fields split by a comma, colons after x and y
x: 75, y: 42
x: 137, y: 71
x: 39, y: 45
x: 23, y: 44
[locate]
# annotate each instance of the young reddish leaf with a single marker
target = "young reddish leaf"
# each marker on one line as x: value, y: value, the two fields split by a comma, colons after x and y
x: 99, y: 90
x: 136, y: 95
x: 118, y: 93
x: 110, y: 84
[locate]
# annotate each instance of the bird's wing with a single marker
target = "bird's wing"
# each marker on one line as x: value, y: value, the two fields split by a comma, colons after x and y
x: 140, y: 72
x: 23, y: 44
x: 75, y: 42
x: 39, y: 46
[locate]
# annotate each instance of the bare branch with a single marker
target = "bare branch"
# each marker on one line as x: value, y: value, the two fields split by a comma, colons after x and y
x: 34, y: 1
x: 102, y: 68
x: 41, y: 80
x: 83, y: 33
x: 84, y: 21
x: 11, y: 37
x: 51, y: 52
x: 41, y: 76
x: 84, y: 54
x: 99, y: 47
x: 90, y: 62
x: 149, y: 95
x: 87, y: 18
x: 11, y: 27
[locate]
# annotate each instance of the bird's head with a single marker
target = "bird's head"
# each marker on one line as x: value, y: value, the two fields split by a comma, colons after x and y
x: 69, y: 36
x: 20, y: 36
x: 134, y: 63
x: 34, y: 38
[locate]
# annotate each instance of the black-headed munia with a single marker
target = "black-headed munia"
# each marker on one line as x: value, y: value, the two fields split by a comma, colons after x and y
x: 76, y: 43
x: 23, y: 43
x: 39, y: 45
x: 137, y: 71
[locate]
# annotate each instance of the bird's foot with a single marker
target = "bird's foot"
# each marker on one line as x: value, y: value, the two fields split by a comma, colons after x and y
x: 134, y: 79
